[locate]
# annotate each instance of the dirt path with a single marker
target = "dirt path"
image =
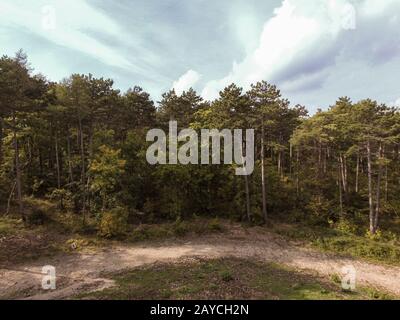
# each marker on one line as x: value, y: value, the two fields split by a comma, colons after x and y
x: 83, y: 271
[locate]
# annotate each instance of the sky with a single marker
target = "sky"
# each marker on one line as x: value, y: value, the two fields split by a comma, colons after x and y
x: 314, y: 51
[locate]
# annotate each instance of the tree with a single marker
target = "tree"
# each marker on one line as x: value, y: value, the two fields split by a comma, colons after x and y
x: 20, y: 94
x: 106, y: 171
x: 231, y: 111
x: 275, y: 122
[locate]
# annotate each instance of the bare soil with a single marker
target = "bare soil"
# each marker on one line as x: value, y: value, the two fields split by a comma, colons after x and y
x: 87, y: 271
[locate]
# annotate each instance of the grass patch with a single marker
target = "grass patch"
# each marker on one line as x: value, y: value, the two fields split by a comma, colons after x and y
x: 19, y: 243
x: 384, y: 249
x: 228, y: 278
x: 50, y: 231
x: 9, y: 226
x: 177, y: 229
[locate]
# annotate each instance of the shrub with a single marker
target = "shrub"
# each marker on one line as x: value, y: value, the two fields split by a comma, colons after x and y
x: 76, y: 244
x: 180, y: 227
x: 227, y: 276
x: 336, y: 278
x: 320, y: 211
x: 150, y: 232
x: 37, y: 217
x: 295, y: 216
x: 374, y: 236
x: 215, y: 225
x: 390, y: 236
x: 377, y: 295
x: 346, y: 226
x: 113, y: 223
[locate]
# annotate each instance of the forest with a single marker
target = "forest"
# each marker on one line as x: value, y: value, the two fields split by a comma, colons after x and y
x: 81, y: 144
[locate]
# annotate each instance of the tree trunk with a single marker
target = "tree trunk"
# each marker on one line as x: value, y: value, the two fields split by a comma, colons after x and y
x: 247, y: 189
x: 57, y: 163
x: 58, y: 171
x: 378, y: 189
x: 264, y: 192
x: 343, y: 173
x: 298, y: 174
x: 386, y: 179
x: 83, y: 171
x: 386, y: 184
x: 1, y: 141
x: 10, y: 198
x: 248, y: 210
x: 18, y: 171
x: 91, y: 152
x: 290, y: 160
x: 319, y: 159
x: 70, y: 176
x: 357, y: 171
x: 40, y: 161
x: 370, y: 197
x: 340, y: 188
x: 279, y: 162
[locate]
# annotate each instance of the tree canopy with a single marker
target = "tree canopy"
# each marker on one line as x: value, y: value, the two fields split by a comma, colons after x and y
x: 82, y: 143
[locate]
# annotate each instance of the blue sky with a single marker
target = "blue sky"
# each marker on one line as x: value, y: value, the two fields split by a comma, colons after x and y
x: 315, y: 51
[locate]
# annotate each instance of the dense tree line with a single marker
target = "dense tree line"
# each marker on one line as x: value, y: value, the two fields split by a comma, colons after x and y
x: 82, y: 143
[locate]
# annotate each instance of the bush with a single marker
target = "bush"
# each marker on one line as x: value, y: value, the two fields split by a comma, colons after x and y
x: 150, y: 232
x: 336, y: 278
x: 227, y: 276
x: 320, y: 210
x: 215, y: 225
x: 37, y: 217
x: 377, y: 236
x: 113, y: 223
x: 390, y: 236
x: 295, y: 216
x: 180, y: 228
x: 346, y: 226
x: 377, y: 295
x: 76, y: 244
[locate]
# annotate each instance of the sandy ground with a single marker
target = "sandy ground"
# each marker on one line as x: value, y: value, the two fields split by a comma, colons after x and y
x: 83, y: 271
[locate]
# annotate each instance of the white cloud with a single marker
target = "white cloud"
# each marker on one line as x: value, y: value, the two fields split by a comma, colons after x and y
x: 375, y: 7
x: 395, y: 103
x: 186, y: 81
x: 300, y: 31
x: 75, y: 23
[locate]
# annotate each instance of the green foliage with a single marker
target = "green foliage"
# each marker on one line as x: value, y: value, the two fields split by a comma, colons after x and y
x: 375, y: 294
x: 377, y: 236
x: 113, y: 223
x: 76, y: 244
x: 319, y: 208
x: 227, y: 276
x: 106, y: 171
x: 175, y: 229
x: 215, y: 225
x: 180, y: 228
x: 344, y: 242
x: 223, y: 279
x: 346, y: 226
x: 336, y: 278
x: 9, y: 226
x: 37, y: 217
x: 82, y: 143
